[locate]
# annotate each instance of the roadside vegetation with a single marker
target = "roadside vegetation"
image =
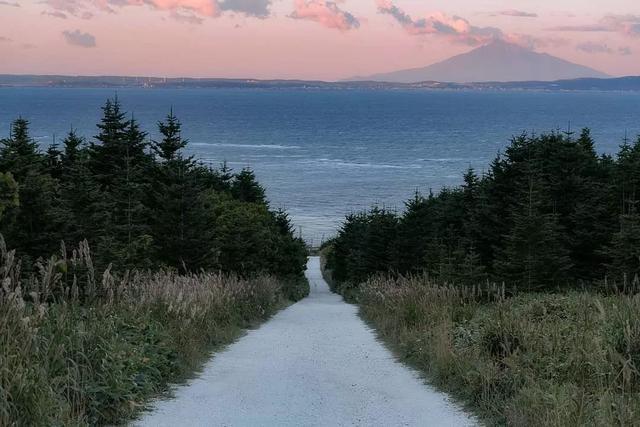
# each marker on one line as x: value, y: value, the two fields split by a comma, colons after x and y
x: 157, y: 260
x: 517, y: 291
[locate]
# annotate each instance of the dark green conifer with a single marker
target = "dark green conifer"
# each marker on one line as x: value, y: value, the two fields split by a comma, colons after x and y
x: 624, y: 250
x: 534, y: 255
x: 28, y: 226
x: 245, y: 187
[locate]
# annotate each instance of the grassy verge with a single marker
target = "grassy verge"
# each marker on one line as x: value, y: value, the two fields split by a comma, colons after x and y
x: 78, y: 349
x: 532, y: 359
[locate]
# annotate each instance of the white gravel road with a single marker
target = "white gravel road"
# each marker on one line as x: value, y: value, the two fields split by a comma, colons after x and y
x: 313, y: 364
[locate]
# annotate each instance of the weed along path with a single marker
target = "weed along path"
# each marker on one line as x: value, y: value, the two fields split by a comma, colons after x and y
x: 313, y: 364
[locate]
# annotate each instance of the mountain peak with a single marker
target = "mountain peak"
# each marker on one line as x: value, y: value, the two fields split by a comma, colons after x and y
x: 498, y: 61
x: 503, y: 45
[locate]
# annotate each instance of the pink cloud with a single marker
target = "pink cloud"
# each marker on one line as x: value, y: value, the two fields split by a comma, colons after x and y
x: 69, y: 6
x: 190, y: 11
x: 590, y: 28
x: 454, y: 28
x: 460, y: 30
x: 628, y: 25
x: 518, y: 13
x: 55, y: 14
x: 326, y: 13
x: 200, y: 7
x: 188, y: 18
x: 596, y: 48
x: 178, y: 8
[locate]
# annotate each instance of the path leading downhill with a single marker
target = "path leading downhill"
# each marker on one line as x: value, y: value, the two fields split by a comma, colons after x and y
x: 313, y: 364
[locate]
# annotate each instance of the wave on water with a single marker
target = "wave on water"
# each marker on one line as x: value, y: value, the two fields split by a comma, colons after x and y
x: 233, y: 145
x: 445, y: 159
x: 364, y: 165
x: 274, y: 156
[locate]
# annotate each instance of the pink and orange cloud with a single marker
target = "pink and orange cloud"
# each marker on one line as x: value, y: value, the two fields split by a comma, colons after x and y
x: 459, y: 30
x: 326, y: 13
x: 455, y: 28
x: 199, y: 7
x: 348, y: 37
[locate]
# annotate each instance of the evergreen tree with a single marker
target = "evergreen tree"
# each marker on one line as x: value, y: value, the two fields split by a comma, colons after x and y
x: 8, y: 193
x: 246, y: 188
x: 226, y: 177
x: 380, y: 242
x: 19, y: 153
x: 534, y: 255
x: 73, y: 146
x: 624, y: 250
x: 138, y: 210
x: 119, y: 166
x: 414, y: 230
x: 131, y: 226
x: 108, y: 154
x: 178, y: 228
x: 79, y: 192
x: 53, y: 161
x: 27, y: 226
x: 172, y: 143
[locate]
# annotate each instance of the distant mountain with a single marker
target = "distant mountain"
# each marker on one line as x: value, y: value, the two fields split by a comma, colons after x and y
x: 498, y: 61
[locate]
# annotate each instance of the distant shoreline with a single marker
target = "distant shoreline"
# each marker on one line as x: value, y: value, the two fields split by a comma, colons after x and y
x: 618, y: 84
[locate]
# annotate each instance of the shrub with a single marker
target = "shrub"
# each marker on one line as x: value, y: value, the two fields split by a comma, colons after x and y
x: 528, y: 359
x: 78, y: 347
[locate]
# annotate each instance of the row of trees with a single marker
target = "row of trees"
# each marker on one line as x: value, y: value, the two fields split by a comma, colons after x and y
x: 549, y: 212
x: 140, y: 203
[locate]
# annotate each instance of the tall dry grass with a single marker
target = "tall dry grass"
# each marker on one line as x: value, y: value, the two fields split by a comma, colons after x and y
x: 525, y: 360
x: 78, y: 347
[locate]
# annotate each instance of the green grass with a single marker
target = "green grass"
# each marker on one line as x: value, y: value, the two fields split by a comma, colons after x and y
x: 531, y: 359
x: 81, y: 349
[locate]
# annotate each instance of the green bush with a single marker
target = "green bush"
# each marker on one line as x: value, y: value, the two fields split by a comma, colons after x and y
x: 529, y: 359
x: 76, y: 351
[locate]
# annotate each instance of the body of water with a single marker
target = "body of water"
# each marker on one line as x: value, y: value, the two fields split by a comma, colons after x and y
x: 323, y: 154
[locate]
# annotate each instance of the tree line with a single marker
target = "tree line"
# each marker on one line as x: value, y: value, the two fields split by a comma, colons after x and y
x: 549, y: 212
x: 140, y: 203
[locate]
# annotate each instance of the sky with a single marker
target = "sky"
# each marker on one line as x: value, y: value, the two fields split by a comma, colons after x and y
x: 306, y: 39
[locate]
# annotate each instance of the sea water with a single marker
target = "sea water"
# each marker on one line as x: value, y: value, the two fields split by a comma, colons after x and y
x: 322, y: 154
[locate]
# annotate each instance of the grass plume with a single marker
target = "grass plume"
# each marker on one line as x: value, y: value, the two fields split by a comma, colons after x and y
x: 79, y: 347
x: 552, y: 359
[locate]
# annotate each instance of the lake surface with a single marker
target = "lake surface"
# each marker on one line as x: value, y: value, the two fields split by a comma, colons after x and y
x: 323, y: 154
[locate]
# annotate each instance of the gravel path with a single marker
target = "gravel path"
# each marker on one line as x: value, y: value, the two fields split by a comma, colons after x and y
x: 313, y: 364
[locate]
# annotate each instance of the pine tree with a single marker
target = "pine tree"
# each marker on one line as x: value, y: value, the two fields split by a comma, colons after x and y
x: 72, y: 150
x: 130, y: 191
x: 534, y: 256
x: 178, y: 222
x: 245, y: 187
x: 53, y: 160
x: 624, y: 250
x: 380, y: 242
x: 226, y: 177
x: 79, y: 192
x: 8, y: 193
x: 120, y: 167
x: 108, y: 154
x: 28, y: 226
x: 19, y: 153
x: 172, y: 143
x: 469, y: 270
x: 413, y: 234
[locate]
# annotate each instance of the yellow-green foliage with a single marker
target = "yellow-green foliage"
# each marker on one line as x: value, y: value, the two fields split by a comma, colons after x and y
x: 531, y: 359
x: 77, y: 348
